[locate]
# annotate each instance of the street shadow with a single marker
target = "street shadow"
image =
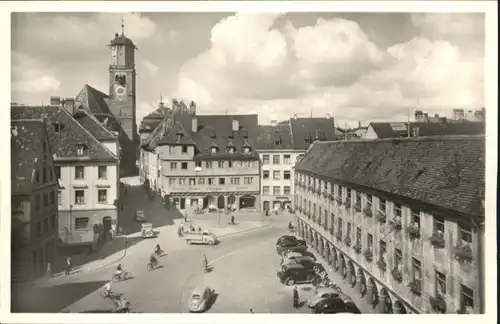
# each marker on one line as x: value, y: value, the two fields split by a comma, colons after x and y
x: 51, y: 299
x: 81, y: 257
x: 139, y: 197
x: 209, y: 269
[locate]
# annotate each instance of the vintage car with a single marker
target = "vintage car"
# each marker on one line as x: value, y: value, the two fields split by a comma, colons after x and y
x: 139, y: 216
x: 203, y: 237
x: 147, y: 230
x: 287, y: 257
x: 321, y: 294
x: 292, y: 273
x: 201, y: 299
x: 335, y: 305
x: 309, y: 263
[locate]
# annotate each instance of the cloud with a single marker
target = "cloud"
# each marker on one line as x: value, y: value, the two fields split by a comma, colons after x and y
x: 150, y: 66
x: 332, y: 66
x: 29, y: 75
x: 469, y: 24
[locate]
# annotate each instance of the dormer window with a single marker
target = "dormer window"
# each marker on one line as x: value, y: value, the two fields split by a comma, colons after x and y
x: 57, y: 127
x: 247, y: 149
x: 179, y: 136
x: 213, y: 149
x: 212, y: 135
x: 81, y: 149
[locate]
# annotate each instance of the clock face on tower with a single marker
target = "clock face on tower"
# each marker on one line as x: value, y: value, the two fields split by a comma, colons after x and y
x: 120, y: 91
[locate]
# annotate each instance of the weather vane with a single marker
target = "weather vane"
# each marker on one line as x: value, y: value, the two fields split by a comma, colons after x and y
x: 123, y: 25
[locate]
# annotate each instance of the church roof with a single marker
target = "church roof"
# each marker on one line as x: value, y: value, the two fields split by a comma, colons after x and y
x: 121, y: 40
x: 94, y: 101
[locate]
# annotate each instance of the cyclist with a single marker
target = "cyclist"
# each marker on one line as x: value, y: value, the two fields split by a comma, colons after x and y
x: 123, y: 305
x: 157, y: 249
x: 119, y: 270
x: 152, y: 260
x: 107, y: 289
x: 205, y: 262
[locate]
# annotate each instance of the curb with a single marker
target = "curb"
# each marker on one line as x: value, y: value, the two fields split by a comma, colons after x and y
x: 248, y: 230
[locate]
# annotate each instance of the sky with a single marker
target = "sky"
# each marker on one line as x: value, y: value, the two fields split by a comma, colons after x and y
x: 357, y: 67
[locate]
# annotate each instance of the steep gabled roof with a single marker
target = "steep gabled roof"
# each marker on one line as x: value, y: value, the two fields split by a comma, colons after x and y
x: 150, y: 121
x: 274, y: 137
x: 93, y: 100
x: 447, y: 172
x: 305, y: 130
x: 171, y: 137
x: 96, y: 128
x: 64, y: 143
x: 26, y: 151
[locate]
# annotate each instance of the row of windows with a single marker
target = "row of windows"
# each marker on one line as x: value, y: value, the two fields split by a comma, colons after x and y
x: 209, y: 181
x: 213, y: 149
x: 276, y: 190
x: 43, y: 226
x: 102, y: 172
x: 212, y: 164
x: 287, y: 159
x: 102, y: 197
x: 276, y: 175
x: 47, y: 176
x: 44, y: 200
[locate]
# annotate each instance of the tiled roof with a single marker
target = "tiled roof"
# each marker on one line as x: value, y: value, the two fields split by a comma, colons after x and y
x: 64, y: 143
x: 209, y: 125
x: 385, y: 130
x: 121, y: 40
x: 446, y: 172
x: 97, y: 129
x: 25, y: 148
x: 94, y: 101
x: 270, y: 137
x: 150, y: 121
x: 304, y: 131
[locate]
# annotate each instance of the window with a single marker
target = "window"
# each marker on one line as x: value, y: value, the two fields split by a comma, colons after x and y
x: 382, y: 247
x: 184, y: 165
x: 265, y: 159
x: 357, y: 198
x: 340, y: 226
x: 339, y: 191
x: 286, y: 190
x: 184, y: 149
x: 192, y: 181
x: 265, y: 175
x: 79, y: 197
x: 57, y: 128
x: 415, y: 218
x: 276, y: 190
x: 439, y: 225
x: 158, y: 174
x: 44, y: 175
x: 171, y: 181
x: 287, y: 159
x: 51, y: 175
x: 276, y: 175
x: 208, y: 164
x: 38, y: 202
x: 197, y: 164
x: 53, y: 221
x: 358, y: 235
x: 349, y: 228
x: 369, y: 241
x: 369, y: 201
x: 221, y: 164
x: 246, y: 149
x: 39, y: 229
x: 440, y: 283
x: 45, y: 199
x: 102, y: 195
x: 81, y: 223
x: 213, y: 150
x: 182, y: 181
x: 59, y: 197
x: 381, y: 205
x: 201, y: 181
x: 287, y: 175
x: 247, y: 180
x: 398, y: 258
x: 349, y: 194
x: 466, y: 299
x: 265, y: 190
x: 37, y: 177
x: 171, y: 149
x: 276, y: 159
x: 222, y: 181
x: 45, y: 225
x: 235, y: 181
x: 58, y: 172
x: 173, y: 165
x: 229, y: 164
x: 80, y: 149
x: 79, y: 172
x: 103, y: 172
x: 52, y: 197
x: 397, y: 210
x: 417, y: 269
x: 211, y: 181
x: 465, y: 234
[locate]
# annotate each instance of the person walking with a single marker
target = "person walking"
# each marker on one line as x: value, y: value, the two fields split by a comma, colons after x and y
x: 68, y: 265
x: 48, y: 272
x: 295, y: 297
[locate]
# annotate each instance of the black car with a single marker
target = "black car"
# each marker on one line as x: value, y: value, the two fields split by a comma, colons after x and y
x: 289, y: 244
x: 285, y: 238
x: 335, y: 305
x: 297, y: 248
x: 308, y: 263
x: 292, y: 273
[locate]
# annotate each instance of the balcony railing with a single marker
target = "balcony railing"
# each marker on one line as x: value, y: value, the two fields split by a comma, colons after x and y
x: 338, y: 199
x: 463, y: 252
x: 413, y: 231
x: 357, y: 206
x: 347, y: 202
x: 381, y: 217
x: 368, y: 211
x: 415, y: 286
x: 437, y: 240
x: 396, y: 223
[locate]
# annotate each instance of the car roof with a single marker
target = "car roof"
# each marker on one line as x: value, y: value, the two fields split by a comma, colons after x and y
x: 293, y: 254
x: 292, y: 265
x: 304, y: 258
x: 199, y: 290
x: 325, y: 290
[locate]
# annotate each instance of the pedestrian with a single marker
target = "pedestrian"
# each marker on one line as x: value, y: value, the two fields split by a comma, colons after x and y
x: 232, y: 220
x: 251, y: 311
x: 48, y: 272
x: 68, y: 265
x: 179, y: 231
x: 185, y: 217
x: 295, y: 297
x: 199, y: 228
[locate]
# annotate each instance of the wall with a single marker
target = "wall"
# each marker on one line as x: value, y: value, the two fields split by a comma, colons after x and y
x: 111, y: 145
x: 431, y: 258
x: 370, y: 133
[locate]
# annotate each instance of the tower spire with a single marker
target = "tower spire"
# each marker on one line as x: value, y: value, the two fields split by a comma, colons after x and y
x: 123, y: 25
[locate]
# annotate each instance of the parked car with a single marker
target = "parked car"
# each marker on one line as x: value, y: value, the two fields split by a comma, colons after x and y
x: 310, y: 264
x: 201, y: 299
x: 204, y: 237
x: 292, y: 273
x: 321, y: 294
x: 288, y: 244
x: 297, y: 248
x: 285, y: 238
x: 335, y: 305
x: 290, y: 256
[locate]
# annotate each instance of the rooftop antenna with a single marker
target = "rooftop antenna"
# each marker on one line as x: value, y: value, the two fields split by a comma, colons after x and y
x: 123, y: 25
x: 161, y: 97
x: 311, y: 114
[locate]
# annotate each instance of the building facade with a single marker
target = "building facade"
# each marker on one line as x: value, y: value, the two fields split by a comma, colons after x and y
x: 203, y: 161
x: 405, y: 228
x: 34, y: 211
x: 87, y: 171
x: 280, y: 146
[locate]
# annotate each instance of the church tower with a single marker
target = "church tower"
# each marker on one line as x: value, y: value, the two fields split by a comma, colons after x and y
x: 122, y: 87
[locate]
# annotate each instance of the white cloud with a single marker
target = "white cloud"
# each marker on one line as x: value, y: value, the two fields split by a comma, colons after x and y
x: 450, y: 23
x: 43, y: 84
x: 329, y: 67
x: 152, y: 68
x: 29, y: 75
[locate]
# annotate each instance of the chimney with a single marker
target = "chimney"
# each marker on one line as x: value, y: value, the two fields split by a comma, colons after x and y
x: 192, y: 108
x: 295, y: 116
x: 194, y: 124
x: 161, y: 105
x: 236, y: 125
x: 436, y: 115
x: 317, y: 134
x: 69, y: 105
x: 55, y: 101
x: 359, y: 124
x: 328, y: 116
x: 274, y: 122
